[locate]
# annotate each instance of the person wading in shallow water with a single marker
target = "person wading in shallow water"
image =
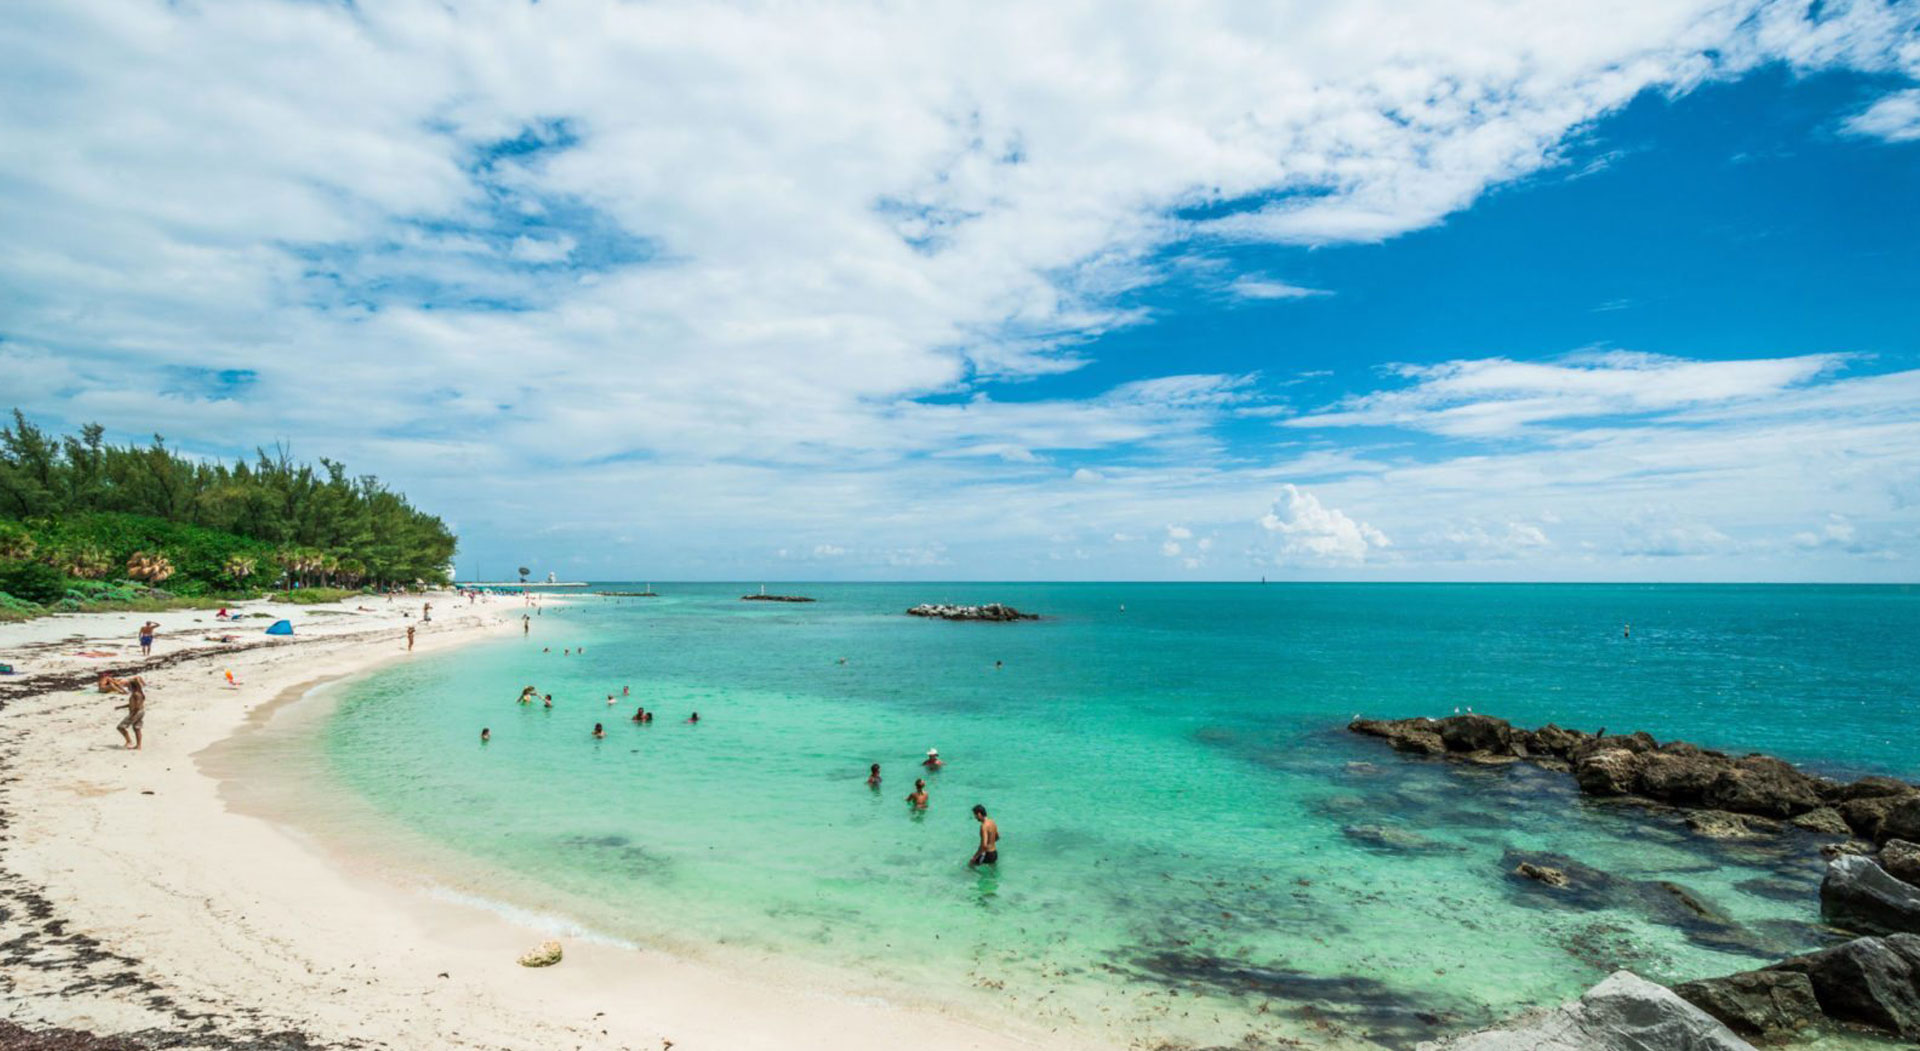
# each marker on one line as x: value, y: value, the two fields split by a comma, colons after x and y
x: 989, y: 852
x: 409, y: 638
x: 136, y: 707
x: 918, y: 797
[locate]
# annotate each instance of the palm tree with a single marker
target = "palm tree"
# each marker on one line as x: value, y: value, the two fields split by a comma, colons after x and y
x: 239, y: 567
x: 84, y: 561
x: 16, y: 542
x: 152, y: 567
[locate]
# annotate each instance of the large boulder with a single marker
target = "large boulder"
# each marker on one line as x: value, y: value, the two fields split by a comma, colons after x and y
x: 1902, y: 820
x: 1868, y: 981
x: 1623, y: 1013
x: 1859, y: 895
x: 1825, y: 821
x: 1614, y: 772
x: 1477, y: 733
x: 1679, y: 778
x: 1766, y: 1004
x: 1637, y: 742
x: 1867, y: 815
x: 1419, y: 736
x: 1763, y: 785
x: 1866, y: 788
x: 1901, y: 859
x: 1555, y: 740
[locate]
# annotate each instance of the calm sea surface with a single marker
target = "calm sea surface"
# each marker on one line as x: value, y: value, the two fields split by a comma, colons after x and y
x: 1193, y: 847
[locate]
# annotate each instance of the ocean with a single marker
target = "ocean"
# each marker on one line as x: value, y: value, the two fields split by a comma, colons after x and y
x: 1194, y: 849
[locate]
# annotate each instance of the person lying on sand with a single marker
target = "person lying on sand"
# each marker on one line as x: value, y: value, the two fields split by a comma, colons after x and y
x: 136, y: 707
x: 109, y: 684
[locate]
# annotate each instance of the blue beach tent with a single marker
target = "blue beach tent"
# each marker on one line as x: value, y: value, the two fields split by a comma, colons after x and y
x: 281, y: 627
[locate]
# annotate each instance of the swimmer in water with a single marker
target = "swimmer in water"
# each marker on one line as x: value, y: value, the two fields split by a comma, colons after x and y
x: 547, y: 701
x: 639, y: 715
x: 694, y: 718
x: 918, y: 797
x: 599, y: 731
x: 933, y: 760
x: 873, y: 776
x: 485, y: 735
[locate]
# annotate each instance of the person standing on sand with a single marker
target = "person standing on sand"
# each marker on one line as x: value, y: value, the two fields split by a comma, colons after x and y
x: 989, y: 852
x: 526, y: 624
x: 146, y: 637
x: 136, y: 707
x: 426, y: 612
x: 409, y: 638
x: 918, y: 797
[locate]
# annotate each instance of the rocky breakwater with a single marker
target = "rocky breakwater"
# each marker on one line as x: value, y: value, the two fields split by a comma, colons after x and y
x: 992, y: 611
x: 775, y: 598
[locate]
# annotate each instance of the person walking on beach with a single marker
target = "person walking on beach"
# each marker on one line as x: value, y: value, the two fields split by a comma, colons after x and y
x: 426, y: 612
x: 146, y: 637
x: 873, y: 776
x: 989, y: 852
x: 409, y: 638
x: 933, y: 761
x: 136, y: 707
x: 918, y: 797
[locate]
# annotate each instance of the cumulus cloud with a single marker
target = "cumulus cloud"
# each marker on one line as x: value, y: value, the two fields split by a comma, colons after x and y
x: 1895, y: 118
x: 1309, y: 531
x: 711, y: 265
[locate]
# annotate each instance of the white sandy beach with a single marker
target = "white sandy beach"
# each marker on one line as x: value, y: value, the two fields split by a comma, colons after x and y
x: 137, y: 899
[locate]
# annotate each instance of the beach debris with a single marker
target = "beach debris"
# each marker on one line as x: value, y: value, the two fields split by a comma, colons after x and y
x: 1859, y: 895
x: 992, y: 611
x: 1623, y: 1013
x: 546, y: 955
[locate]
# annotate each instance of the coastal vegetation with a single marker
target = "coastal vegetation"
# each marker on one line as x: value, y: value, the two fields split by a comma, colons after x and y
x: 86, y: 524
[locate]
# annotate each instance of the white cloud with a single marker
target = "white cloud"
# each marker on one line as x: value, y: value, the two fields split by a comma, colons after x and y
x: 1895, y: 118
x: 1179, y: 532
x: 1251, y: 287
x: 1311, y: 532
x: 729, y: 266
x: 1498, y: 397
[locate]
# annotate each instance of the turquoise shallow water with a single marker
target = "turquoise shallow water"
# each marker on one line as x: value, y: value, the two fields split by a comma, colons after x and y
x: 1194, y: 849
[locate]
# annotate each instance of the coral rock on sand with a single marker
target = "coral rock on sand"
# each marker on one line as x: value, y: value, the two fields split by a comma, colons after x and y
x: 1873, y: 982
x: 546, y: 955
x: 1859, y: 895
x: 1768, y: 1004
x: 1550, y: 876
x: 1623, y: 1013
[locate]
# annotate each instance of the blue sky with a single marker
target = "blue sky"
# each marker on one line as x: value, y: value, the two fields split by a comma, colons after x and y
x: 839, y: 291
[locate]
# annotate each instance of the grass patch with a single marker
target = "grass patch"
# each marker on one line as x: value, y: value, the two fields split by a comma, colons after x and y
x: 315, y: 596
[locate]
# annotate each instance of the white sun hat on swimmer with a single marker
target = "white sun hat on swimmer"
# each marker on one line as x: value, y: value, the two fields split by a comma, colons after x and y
x: 933, y: 751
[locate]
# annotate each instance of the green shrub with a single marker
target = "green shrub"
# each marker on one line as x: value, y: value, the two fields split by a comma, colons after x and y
x: 13, y: 609
x: 35, y: 582
x: 315, y: 596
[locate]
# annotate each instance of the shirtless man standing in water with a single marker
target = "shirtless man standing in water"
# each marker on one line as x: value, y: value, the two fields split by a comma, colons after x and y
x: 989, y: 852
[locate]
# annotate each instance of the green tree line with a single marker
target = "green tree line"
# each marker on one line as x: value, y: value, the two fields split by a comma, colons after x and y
x: 93, y: 510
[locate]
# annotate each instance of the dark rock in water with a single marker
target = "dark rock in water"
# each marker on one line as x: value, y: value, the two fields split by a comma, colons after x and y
x: 1763, y: 785
x: 1549, y: 876
x: 992, y: 611
x: 1658, y: 901
x: 1390, y: 838
x: 1867, y: 788
x: 1777, y: 889
x: 1867, y: 815
x: 1613, y: 772
x: 1902, y: 820
x: 1718, y: 824
x: 1873, y: 982
x: 1623, y: 1013
x: 1387, y: 1013
x: 1477, y: 733
x: 1638, y: 743
x: 1859, y: 895
x: 775, y: 598
x: 1554, y: 740
x: 1851, y: 846
x: 1768, y: 1004
x: 1679, y: 779
x: 1825, y: 821
x: 1901, y: 859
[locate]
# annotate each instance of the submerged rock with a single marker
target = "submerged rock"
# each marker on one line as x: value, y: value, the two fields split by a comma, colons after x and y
x: 1859, y: 895
x: 1552, y: 877
x: 1719, y: 824
x: 1756, y: 1003
x: 1390, y: 838
x: 1623, y: 1013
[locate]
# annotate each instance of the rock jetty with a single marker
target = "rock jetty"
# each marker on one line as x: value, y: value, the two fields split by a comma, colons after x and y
x: 775, y: 598
x: 1731, y: 796
x: 1869, y: 982
x: 993, y: 611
